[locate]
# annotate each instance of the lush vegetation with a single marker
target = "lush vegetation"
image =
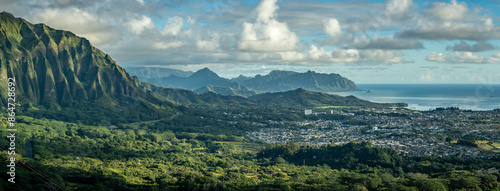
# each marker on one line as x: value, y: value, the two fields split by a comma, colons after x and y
x: 143, y: 157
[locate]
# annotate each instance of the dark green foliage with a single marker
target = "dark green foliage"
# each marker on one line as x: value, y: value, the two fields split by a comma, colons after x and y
x: 467, y: 142
x: 202, y: 122
x: 353, y: 156
x: 428, y: 184
x: 186, y: 97
x: 232, y: 91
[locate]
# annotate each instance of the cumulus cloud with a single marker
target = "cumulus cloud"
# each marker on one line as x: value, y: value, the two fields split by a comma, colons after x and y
x: 137, y: 25
x: 386, y: 43
x: 319, y: 56
x: 467, y: 57
x: 495, y: 58
x: 81, y: 22
x: 462, y: 57
x: 382, y: 56
x: 448, y: 11
x: 398, y: 8
x: 335, y: 56
x: 332, y: 28
x: 173, y: 25
x: 478, y: 47
x: 437, y: 57
x: 340, y: 55
x: 267, y: 34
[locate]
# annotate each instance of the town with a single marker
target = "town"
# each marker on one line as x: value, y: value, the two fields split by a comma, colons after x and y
x: 438, y: 133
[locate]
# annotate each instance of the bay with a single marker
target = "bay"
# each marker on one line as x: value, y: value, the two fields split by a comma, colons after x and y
x: 431, y: 96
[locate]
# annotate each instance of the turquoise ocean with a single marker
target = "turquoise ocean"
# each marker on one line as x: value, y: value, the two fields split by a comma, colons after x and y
x: 431, y: 96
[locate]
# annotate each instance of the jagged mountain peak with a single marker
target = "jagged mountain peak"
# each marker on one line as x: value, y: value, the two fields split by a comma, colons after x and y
x: 280, y: 73
x: 204, y: 73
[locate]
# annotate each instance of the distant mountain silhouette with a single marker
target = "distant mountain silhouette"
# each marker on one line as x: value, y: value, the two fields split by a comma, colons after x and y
x: 286, y: 80
x: 205, y: 80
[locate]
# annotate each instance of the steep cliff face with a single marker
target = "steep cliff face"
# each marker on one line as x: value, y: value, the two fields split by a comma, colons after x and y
x: 62, y: 76
x: 54, y: 68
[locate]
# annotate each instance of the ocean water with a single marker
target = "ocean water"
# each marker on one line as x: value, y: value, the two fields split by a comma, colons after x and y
x: 431, y: 96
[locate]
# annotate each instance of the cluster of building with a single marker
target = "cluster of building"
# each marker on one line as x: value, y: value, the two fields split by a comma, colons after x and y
x: 413, y: 133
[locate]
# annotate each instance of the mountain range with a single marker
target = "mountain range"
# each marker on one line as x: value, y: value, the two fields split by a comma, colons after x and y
x: 205, y: 80
x: 62, y: 76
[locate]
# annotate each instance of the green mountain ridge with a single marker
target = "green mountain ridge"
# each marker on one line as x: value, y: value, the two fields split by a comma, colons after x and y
x: 55, y: 69
x: 187, y: 97
x: 226, y: 90
x: 308, y: 99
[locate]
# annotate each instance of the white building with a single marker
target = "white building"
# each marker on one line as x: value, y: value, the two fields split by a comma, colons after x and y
x: 308, y: 112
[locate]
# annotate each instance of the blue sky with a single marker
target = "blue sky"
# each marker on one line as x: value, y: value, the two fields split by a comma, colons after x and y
x: 392, y: 41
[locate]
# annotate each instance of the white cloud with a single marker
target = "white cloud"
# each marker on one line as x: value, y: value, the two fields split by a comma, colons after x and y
x: 428, y: 76
x: 136, y: 26
x: 398, y: 8
x: 448, y: 11
x: 467, y: 57
x: 334, y: 56
x: 495, y: 58
x: 301, y: 36
x: 433, y: 30
x: 382, y: 56
x: 81, y: 22
x: 166, y: 45
x: 354, y: 56
x: 267, y: 34
x: 266, y: 10
x: 332, y: 28
x: 319, y: 56
x: 292, y: 56
x: 437, y: 57
x: 385, y: 42
x: 173, y: 25
x: 344, y: 55
x: 462, y: 57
